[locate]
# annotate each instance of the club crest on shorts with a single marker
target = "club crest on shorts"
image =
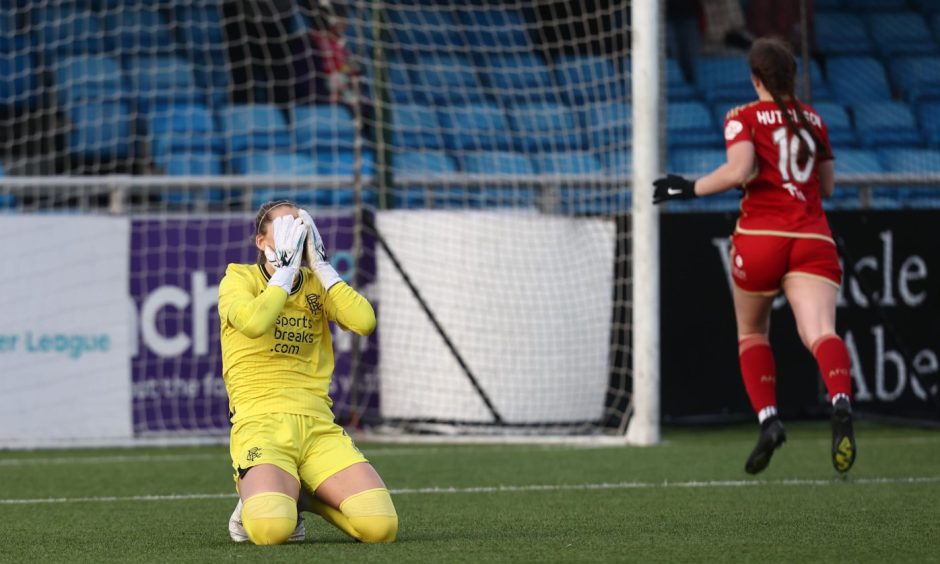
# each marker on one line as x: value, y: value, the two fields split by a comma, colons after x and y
x: 313, y: 302
x: 254, y: 453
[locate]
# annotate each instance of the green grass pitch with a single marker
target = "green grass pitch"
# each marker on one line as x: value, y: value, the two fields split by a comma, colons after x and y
x: 687, y: 500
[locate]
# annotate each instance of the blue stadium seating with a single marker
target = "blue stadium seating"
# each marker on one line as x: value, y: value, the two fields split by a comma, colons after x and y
x: 138, y: 31
x: 901, y: 34
x: 402, y: 86
x: 517, y: 77
x: 193, y: 164
x: 618, y: 163
x: 588, y: 79
x: 199, y: 34
x: 724, y: 79
x: 99, y: 130
x: 477, y: 127
x: 500, y: 163
x: 161, y: 81
x: 857, y: 79
x: 696, y: 162
x: 910, y: 161
x: 836, y: 118
x: 567, y: 163
x: 917, y: 78
x: 851, y: 161
x: 64, y: 31
x: 324, y: 128
x: 274, y: 164
x: 496, y: 30
x: 690, y: 124
x: 544, y: 127
x: 928, y: 115
x: 18, y: 87
x: 608, y: 126
x: 819, y: 88
x: 882, y: 124
x: 842, y: 34
x: 678, y: 88
x: 415, y: 127
x: 257, y: 127
x: 83, y: 78
x: 448, y: 79
x: 341, y: 163
x: 415, y: 29
x: 177, y: 130
x: 423, y: 164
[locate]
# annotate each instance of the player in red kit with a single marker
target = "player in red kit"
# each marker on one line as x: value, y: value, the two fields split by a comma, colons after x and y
x: 778, y: 151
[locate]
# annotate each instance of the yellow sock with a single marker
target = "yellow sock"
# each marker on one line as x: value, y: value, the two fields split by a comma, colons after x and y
x: 367, y: 516
x: 269, y: 518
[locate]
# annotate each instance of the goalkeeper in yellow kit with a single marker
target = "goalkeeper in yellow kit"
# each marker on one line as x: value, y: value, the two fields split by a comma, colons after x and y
x: 277, y: 362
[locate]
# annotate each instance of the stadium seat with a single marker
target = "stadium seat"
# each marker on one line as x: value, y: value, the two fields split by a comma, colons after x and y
x: 567, y: 163
x: 402, y: 86
x: 678, y: 88
x: 323, y: 128
x: 99, y: 130
x: 857, y: 79
x: 422, y: 164
x: 66, y: 31
x: 690, y: 124
x: 819, y: 89
x: 911, y: 161
x: 851, y: 161
x: 608, y: 126
x: 696, y: 162
x: 901, y: 34
x: 448, y: 79
x: 476, y: 127
x: 416, y: 28
x: 517, y: 77
x: 724, y: 79
x: 342, y: 163
x: 275, y: 164
x: 544, y: 127
x: 837, y: 123
x: 18, y: 87
x: 199, y: 34
x: 415, y: 127
x: 842, y: 34
x: 588, y: 79
x: 917, y: 78
x: 88, y: 78
x: 618, y: 163
x: 574, y: 197
x: 138, y: 31
x: 181, y: 129
x: 161, y: 81
x: 253, y: 127
x: 497, y: 30
x: 193, y: 164
x: 928, y: 115
x: 882, y: 124
x: 502, y: 164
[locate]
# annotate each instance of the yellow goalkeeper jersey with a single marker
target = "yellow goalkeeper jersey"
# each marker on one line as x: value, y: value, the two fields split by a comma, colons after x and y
x: 277, y: 352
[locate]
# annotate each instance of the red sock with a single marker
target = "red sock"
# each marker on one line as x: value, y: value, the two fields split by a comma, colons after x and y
x: 758, y: 371
x: 834, y: 365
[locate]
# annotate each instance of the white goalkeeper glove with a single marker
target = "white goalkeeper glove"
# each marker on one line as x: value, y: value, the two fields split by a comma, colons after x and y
x: 289, y: 236
x: 315, y: 253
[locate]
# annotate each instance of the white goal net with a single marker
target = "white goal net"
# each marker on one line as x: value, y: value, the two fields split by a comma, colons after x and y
x: 468, y: 164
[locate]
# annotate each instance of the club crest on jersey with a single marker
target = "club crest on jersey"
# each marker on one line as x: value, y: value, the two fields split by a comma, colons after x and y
x: 254, y: 453
x: 313, y: 302
x: 732, y: 129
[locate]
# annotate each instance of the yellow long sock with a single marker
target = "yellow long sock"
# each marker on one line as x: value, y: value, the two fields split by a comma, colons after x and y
x: 269, y: 518
x: 368, y: 516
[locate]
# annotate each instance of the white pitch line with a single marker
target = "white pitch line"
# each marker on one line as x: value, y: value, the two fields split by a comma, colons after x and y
x: 515, y: 489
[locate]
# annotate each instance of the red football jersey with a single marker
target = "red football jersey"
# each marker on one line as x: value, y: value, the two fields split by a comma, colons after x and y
x: 781, y: 197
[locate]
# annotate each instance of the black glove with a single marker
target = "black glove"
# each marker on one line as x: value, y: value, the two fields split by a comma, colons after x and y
x: 673, y: 188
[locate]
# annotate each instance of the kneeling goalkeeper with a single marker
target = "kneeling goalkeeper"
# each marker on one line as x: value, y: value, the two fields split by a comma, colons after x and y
x: 277, y: 362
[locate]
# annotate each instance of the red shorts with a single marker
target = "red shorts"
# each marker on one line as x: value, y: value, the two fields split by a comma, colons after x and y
x: 759, y: 262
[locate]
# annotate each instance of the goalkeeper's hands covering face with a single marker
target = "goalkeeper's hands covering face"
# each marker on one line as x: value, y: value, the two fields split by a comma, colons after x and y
x: 315, y: 253
x: 289, y: 235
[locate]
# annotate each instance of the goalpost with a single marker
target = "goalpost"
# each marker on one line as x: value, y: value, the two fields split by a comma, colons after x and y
x: 477, y: 169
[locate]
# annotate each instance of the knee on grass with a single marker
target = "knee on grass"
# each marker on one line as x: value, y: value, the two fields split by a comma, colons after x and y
x: 372, y: 514
x: 269, y: 518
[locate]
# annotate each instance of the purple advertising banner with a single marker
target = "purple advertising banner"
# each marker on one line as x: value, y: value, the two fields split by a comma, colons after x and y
x: 175, y: 269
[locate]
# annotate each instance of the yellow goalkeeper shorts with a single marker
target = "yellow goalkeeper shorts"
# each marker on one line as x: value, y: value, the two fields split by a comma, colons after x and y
x: 306, y: 447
